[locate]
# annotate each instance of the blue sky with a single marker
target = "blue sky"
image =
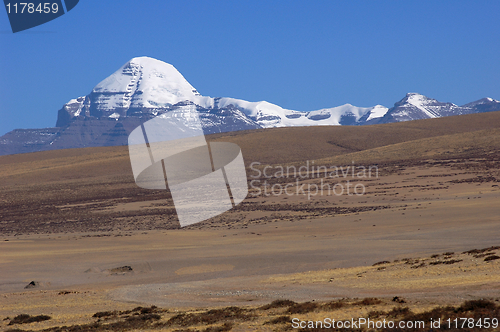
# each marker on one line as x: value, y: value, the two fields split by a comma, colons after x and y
x: 301, y: 55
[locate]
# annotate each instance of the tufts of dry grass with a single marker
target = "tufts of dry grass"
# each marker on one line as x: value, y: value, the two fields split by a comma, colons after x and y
x: 302, y: 308
x: 278, y: 304
x: 368, y: 301
x: 225, y: 319
x: 279, y: 320
x: 209, y: 317
x: 26, y: 319
x: 469, y: 309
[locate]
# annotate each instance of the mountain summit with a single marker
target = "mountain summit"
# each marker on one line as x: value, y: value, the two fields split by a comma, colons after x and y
x: 141, y: 83
x: 139, y: 87
x: 145, y: 87
x: 415, y: 106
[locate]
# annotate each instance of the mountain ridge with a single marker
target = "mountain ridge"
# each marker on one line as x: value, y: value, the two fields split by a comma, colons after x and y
x: 145, y: 87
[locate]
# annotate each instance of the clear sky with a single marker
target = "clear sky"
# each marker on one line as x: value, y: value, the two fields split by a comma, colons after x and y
x: 301, y: 55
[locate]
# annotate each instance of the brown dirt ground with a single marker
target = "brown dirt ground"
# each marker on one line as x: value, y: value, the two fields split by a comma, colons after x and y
x: 95, y: 242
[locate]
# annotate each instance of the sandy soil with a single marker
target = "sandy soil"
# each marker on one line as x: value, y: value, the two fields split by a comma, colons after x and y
x: 419, y: 219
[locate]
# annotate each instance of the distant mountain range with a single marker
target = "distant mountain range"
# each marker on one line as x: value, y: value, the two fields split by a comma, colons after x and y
x: 144, y: 88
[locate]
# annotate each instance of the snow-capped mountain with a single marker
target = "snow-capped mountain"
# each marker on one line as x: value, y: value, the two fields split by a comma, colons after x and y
x: 139, y: 87
x: 145, y: 87
x: 482, y: 105
x: 415, y: 106
x: 268, y: 115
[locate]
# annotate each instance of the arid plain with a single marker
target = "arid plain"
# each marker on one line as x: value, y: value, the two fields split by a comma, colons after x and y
x: 82, y: 244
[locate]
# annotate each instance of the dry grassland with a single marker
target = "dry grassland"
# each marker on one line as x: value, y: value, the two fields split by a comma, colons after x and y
x: 82, y: 248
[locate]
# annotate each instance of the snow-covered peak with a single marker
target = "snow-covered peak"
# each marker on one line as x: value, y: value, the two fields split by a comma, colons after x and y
x: 74, y: 106
x: 338, y: 112
x: 416, y: 99
x: 270, y: 115
x: 422, y: 103
x: 487, y: 100
x: 145, y: 87
x: 415, y: 106
x: 482, y: 105
x: 377, y: 111
x: 146, y: 73
x: 420, y: 100
x: 147, y: 82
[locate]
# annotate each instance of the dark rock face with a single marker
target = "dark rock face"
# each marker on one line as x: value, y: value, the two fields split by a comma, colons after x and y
x: 348, y: 120
x: 482, y: 106
x: 79, y: 126
x: 220, y: 120
x: 92, y: 132
x: 27, y: 140
x: 320, y: 116
x: 89, y: 131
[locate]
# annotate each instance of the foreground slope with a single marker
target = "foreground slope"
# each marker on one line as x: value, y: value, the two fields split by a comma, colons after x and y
x: 98, y: 253
x: 41, y: 184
